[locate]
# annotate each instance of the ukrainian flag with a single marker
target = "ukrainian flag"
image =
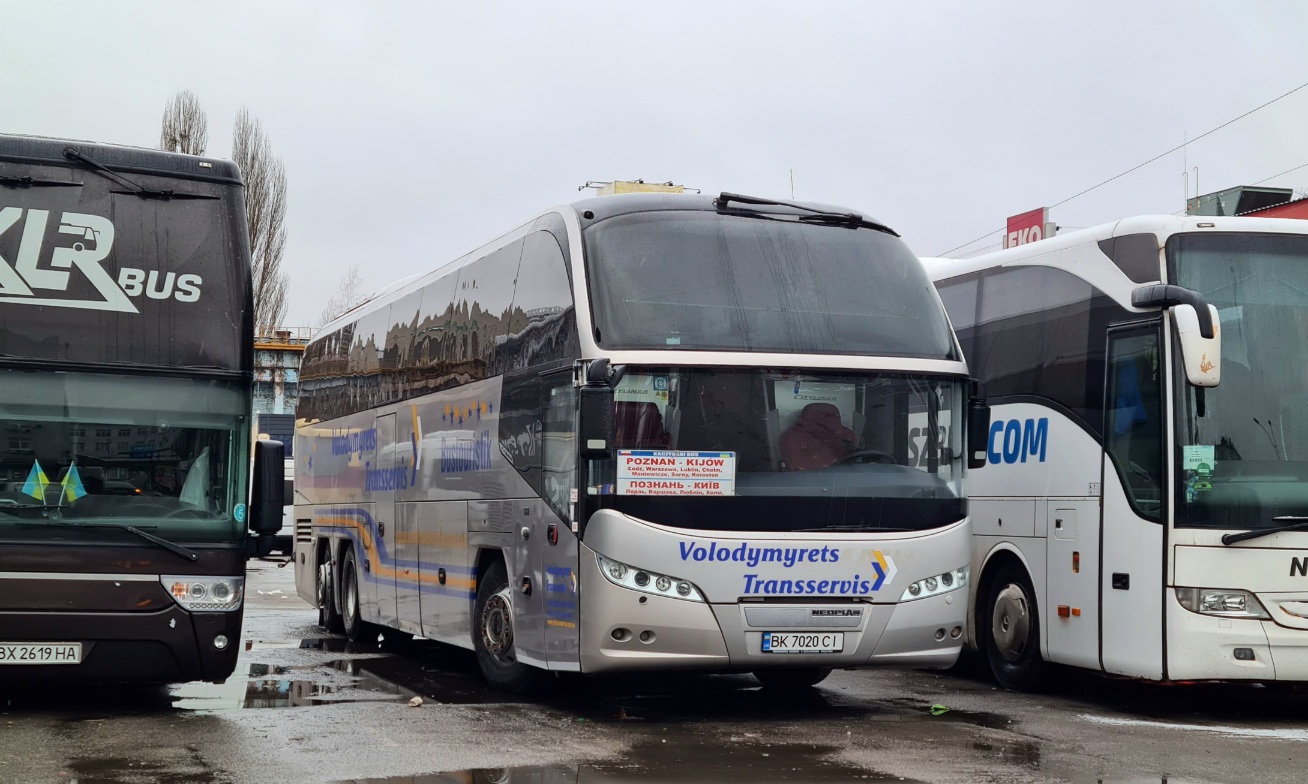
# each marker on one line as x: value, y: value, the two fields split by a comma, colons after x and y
x: 36, y: 482
x: 72, y: 484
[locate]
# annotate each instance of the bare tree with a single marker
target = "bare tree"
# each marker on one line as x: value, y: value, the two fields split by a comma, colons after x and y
x: 265, y: 214
x: 349, y: 293
x: 185, y: 126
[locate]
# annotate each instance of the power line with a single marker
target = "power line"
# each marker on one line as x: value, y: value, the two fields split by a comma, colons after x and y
x: 1146, y: 163
x: 1282, y: 174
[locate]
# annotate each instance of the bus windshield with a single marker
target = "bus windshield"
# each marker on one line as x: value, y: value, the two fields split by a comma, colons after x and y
x: 1243, y: 445
x: 164, y: 454
x: 697, y: 280
x: 796, y: 451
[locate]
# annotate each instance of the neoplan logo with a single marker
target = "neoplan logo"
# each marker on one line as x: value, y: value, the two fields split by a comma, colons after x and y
x: 1299, y: 567
x: 21, y: 280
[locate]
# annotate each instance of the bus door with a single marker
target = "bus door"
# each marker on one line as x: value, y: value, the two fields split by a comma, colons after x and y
x: 1132, y: 566
x: 559, y: 494
x: 391, y: 559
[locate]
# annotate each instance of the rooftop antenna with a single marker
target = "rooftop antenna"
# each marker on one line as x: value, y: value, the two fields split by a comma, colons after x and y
x: 1185, y: 178
x: 792, y: 184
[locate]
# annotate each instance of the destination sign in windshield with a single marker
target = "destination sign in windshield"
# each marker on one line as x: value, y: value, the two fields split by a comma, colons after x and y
x: 651, y: 472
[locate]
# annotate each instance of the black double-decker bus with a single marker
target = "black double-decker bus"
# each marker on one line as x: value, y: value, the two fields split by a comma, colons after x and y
x: 126, y: 374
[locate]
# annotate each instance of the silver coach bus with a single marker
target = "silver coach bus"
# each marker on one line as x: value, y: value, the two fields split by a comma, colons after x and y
x: 646, y: 431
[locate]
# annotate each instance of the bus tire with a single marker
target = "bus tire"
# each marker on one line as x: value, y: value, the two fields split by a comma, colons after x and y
x: 792, y: 678
x: 492, y: 634
x: 329, y: 615
x: 1012, y: 630
x: 352, y: 623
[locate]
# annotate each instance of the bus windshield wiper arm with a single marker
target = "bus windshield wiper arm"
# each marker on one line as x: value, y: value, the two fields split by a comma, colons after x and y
x: 136, y: 190
x: 816, y: 215
x: 171, y: 547
x: 32, y: 182
x: 1302, y: 525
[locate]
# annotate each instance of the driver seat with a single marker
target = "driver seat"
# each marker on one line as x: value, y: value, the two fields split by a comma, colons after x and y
x: 639, y: 425
x: 817, y: 439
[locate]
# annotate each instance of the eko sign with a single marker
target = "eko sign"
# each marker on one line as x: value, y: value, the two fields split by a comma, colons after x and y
x: 1030, y: 226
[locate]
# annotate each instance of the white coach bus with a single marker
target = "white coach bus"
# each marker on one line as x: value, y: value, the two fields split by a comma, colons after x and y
x: 646, y: 431
x: 1144, y: 510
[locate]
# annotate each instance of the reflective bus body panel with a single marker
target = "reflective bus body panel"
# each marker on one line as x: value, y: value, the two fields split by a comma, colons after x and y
x: 464, y: 469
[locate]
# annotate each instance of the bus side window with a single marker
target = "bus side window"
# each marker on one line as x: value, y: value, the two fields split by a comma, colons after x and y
x: 559, y: 443
x: 1134, y: 435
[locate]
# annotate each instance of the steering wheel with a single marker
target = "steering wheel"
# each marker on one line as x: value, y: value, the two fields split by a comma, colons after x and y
x: 864, y: 456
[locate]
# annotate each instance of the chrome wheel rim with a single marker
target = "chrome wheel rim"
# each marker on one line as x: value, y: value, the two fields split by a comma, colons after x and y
x: 1010, y: 626
x: 497, y: 625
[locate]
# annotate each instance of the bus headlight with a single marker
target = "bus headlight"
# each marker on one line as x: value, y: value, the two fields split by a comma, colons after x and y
x: 1221, y: 602
x: 936, y: 585
x: 645, y: 581
x: 221, y: 594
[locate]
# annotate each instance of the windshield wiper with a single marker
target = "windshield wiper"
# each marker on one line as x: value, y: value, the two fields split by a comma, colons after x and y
x: 1302, y: 525
x: 32, y: 182
x: 851, y: 219
x: 136, y: 190
x: 171, y: 547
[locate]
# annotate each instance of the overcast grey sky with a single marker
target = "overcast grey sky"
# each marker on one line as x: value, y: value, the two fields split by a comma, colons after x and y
x: 415, y: 131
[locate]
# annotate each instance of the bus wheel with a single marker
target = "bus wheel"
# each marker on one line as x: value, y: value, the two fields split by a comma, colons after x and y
x: 792, y: 678
x: 1013, y: 633
x: 493, y: 634
x: 329, y: 617
x: 354, y: 627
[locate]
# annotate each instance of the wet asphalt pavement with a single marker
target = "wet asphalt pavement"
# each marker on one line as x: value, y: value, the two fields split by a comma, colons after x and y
x: 308, y: 707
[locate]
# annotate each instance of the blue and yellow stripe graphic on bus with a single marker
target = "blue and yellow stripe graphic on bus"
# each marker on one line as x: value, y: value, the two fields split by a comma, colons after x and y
x: 358, y: 526
x: 560, y: 597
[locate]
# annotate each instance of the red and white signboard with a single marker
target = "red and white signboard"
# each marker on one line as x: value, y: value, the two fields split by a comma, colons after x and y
x: 651, y: 472
x: 1027, y: 227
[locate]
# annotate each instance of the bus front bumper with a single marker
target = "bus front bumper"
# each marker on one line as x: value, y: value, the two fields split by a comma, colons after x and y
x: 165, y: 646
x: 623, y: 629
x: 1205, y: 647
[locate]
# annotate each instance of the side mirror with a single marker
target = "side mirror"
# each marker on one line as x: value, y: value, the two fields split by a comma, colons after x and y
x: 596, y: 422
x: 1197, y: 326
x: 595, y: 409
x: 978, y: 432
x: 267, y: 488
x: 1201, y: 355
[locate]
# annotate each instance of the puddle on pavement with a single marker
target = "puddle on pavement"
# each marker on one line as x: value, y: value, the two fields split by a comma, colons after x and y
x: 328, y: 644
x: 446, y: 674
x: 684, y: 760
x: 990, y: 721
x: 1023, y: 753
x: 681, y: 697
x: 118, y: 770
x: 983, y: 719
x: 282, y: 687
